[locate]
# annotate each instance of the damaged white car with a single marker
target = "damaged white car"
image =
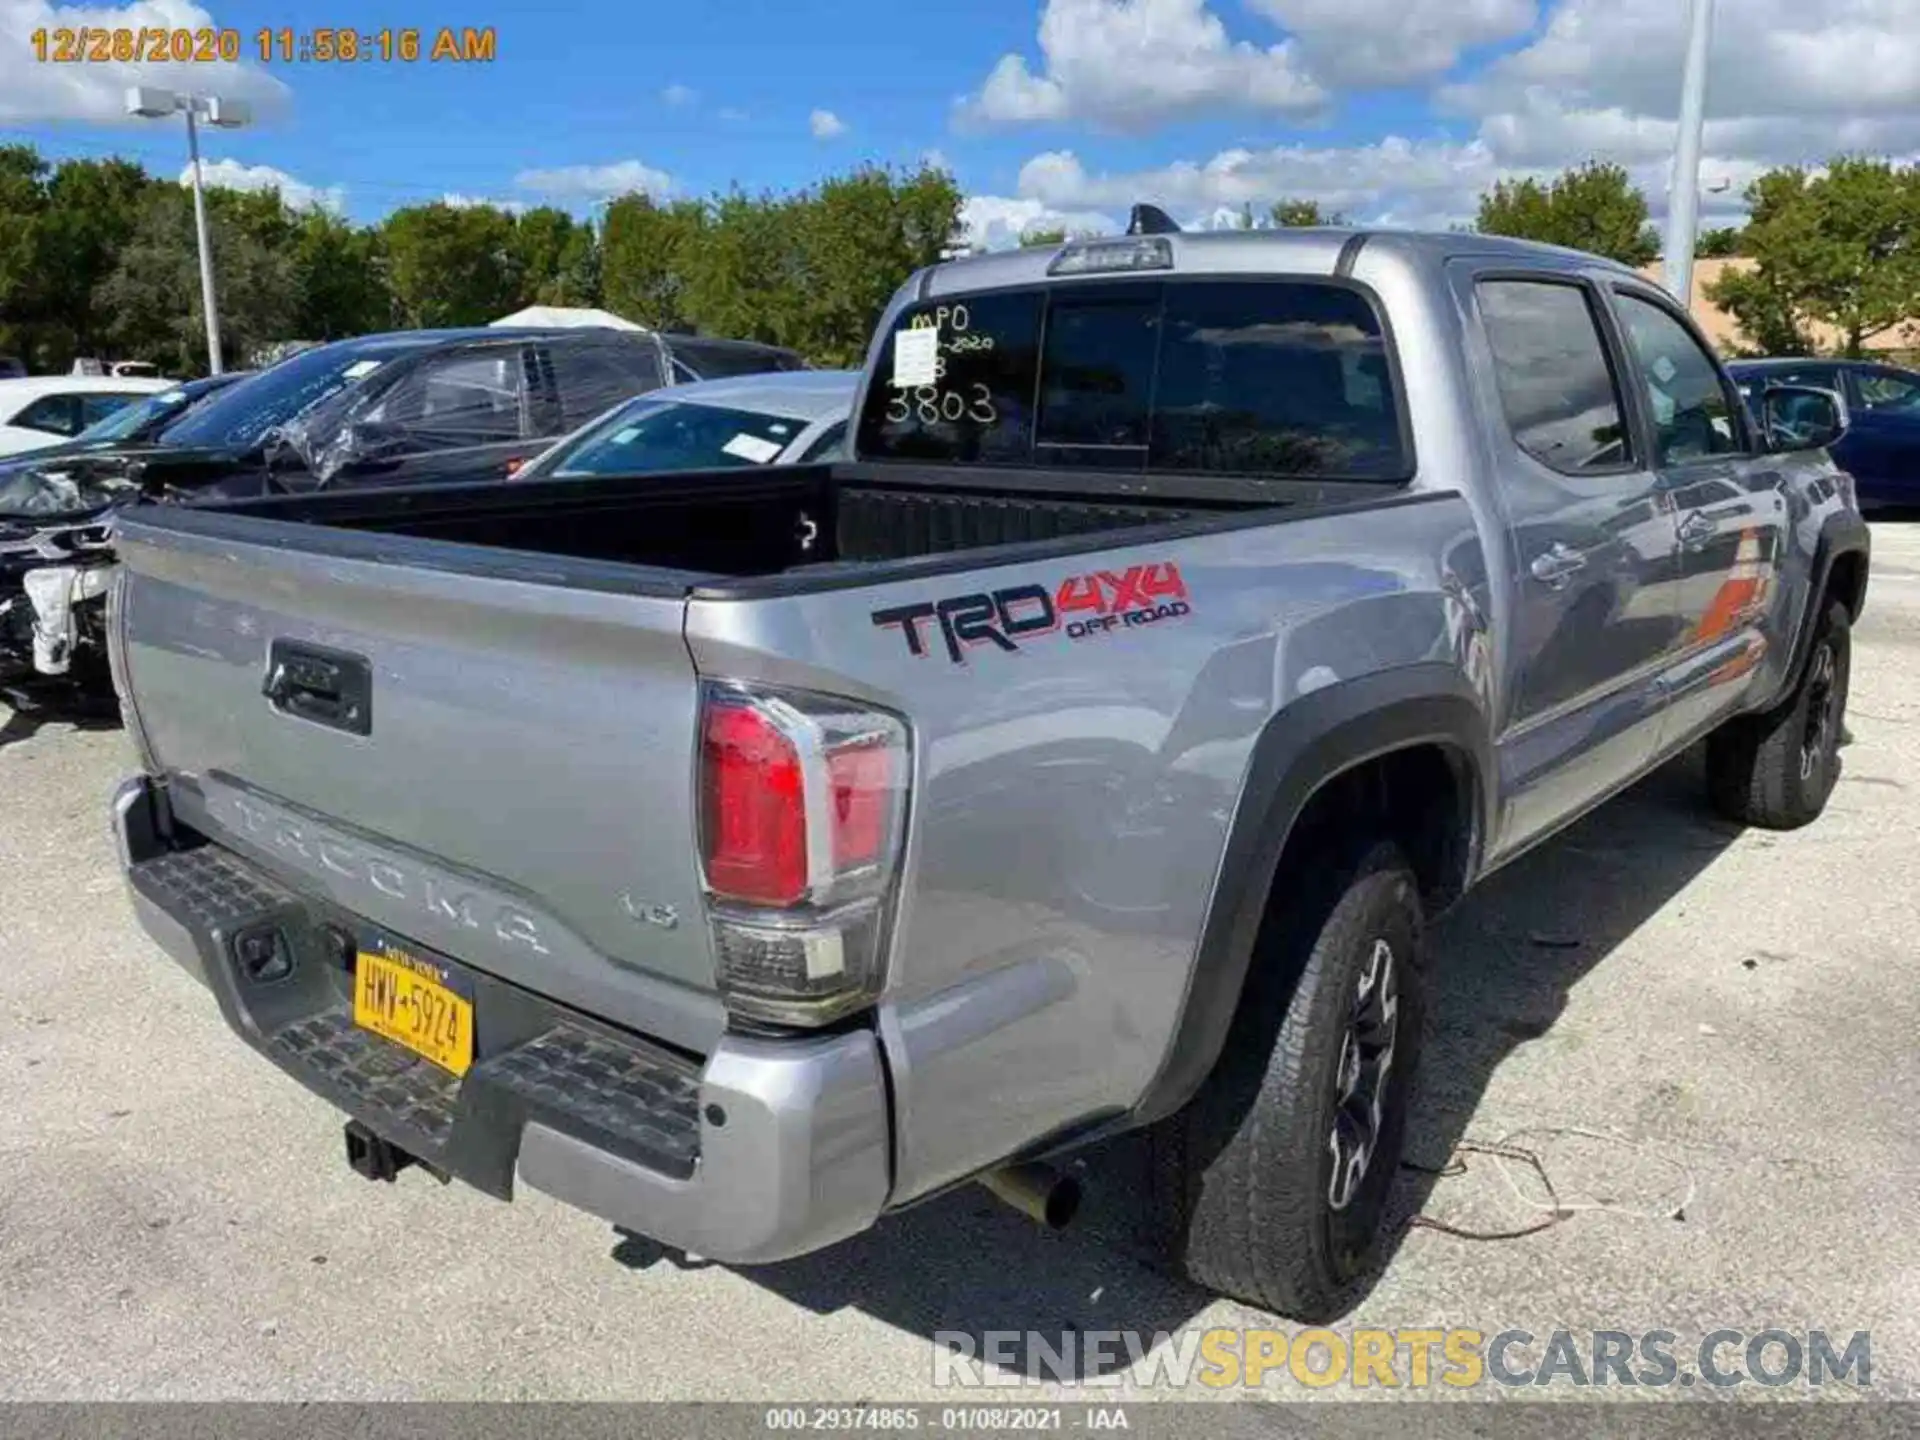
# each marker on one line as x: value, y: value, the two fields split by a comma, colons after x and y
x: 47, y: 574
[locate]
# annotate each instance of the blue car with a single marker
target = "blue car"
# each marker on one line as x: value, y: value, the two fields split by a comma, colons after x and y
x: 1881, y: 448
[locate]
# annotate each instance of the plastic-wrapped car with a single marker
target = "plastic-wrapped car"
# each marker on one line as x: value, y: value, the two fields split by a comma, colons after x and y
x: 492, y: 403
x: 406, y: 408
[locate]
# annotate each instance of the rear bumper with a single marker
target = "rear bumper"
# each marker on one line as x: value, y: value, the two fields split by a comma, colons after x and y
x: 763, y: 1150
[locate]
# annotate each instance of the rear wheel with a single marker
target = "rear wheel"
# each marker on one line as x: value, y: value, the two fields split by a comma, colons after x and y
x: 1274, y: 1180
x: 1777, y: 770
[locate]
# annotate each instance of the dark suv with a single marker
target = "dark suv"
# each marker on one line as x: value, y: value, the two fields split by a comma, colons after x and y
x: 414, y: 407
x: 486, y: 402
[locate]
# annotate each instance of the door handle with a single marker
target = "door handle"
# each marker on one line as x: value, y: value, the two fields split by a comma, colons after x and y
x: 1557, y: 564
x: 325, y: 687
x: 1697, y: 530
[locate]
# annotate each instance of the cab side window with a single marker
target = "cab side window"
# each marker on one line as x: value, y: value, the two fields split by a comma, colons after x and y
x: 463, y: 398
x: 592, y: 376
x: 1556, y: 385
x: 1888, y: 390
x: 1693, y: 415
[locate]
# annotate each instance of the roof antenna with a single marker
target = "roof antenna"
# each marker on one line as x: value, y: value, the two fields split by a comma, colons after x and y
x: 1151, y: 220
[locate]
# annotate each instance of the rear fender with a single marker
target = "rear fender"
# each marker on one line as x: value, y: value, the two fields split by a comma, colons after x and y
x: 1314, y: 740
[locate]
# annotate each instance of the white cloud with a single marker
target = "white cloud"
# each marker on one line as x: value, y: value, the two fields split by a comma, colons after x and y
x: 679, y: 95
x: 232, y: 175
x: 1389, y: 42
x: 1769, y: 57
x: 1129, y: 65
x: 825, y: 125
x: 31, y: 91
x: 996, y: 222
x: 729, y: 113
x: 1788, y: 81
x: 1539, y: 130
x: 596, y: 182
x: 1792, y: 81
x: 1394, y: 181
x: 458, y: 201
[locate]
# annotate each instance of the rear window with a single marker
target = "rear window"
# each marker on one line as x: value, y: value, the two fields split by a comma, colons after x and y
x: 710, y: 360
x: 665, y: 434
x: 1280, y: 378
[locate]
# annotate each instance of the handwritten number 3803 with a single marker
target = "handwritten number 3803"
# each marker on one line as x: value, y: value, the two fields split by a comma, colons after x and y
x: 929, y: 404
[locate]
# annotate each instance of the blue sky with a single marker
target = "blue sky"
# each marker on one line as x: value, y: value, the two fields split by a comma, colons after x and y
x: 1399, y: 111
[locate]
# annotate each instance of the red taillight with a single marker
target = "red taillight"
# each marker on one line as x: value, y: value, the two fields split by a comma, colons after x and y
x: 800, y: 797
x: 864, y: 784
x: 755, y: 807
x: 802, y: 812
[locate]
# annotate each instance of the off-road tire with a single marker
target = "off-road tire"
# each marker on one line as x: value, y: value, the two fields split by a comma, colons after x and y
x: 1776, y: 770
x: 1244, y: 1175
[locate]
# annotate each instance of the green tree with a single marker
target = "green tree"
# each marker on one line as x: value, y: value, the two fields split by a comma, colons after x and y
x: 743, y: 277
x: 263, y: 215
x: 1290, y: 214
x: 1593, y: 207
x: 23, y: 199
x: 99, y: 253
x: 1718, y: 244
x: 644, y: 251
x: 579, y: 279
x: 540, y: 240
x: 1840, y: 249
x: 60, y: 231
x: 859, y: 237
x: 152, y: 295
x: 1042, y: 239
x: 92, y: 207
x: 340, y: 278
x: 1766, y: 305
x: 451, y: 265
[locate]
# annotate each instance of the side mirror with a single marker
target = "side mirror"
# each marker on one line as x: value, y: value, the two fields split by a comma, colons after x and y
x: 1802, y: 417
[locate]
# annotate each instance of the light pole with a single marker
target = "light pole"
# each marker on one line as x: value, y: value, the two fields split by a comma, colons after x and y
x: 1683, y: 207
x: 229, y: 114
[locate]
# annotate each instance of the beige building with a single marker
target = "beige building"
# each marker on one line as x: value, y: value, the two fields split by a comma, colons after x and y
x: 1724, y: 331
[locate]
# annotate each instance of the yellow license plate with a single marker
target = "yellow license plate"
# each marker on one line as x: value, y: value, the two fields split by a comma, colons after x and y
x: 406, y: 999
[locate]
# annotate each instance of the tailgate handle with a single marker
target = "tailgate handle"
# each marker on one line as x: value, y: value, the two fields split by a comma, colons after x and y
x: 327, y: 687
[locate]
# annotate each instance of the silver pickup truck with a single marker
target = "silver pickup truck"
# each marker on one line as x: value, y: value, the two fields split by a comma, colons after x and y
x: 742, y: 855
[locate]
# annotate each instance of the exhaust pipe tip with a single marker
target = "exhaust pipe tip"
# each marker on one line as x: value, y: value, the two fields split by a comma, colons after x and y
x: 1047, y: 1196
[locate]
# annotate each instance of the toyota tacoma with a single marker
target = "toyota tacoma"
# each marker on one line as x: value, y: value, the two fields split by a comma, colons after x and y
x: 742, y: 855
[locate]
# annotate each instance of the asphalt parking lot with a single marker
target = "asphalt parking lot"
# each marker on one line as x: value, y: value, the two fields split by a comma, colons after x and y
x: 176, y: 1220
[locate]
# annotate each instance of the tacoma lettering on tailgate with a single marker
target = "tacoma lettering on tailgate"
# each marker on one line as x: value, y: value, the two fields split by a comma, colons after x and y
x: 1084, y: 606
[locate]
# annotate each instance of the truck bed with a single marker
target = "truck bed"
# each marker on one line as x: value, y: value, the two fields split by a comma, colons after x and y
x: 491, y: 662
x: 702, y: 529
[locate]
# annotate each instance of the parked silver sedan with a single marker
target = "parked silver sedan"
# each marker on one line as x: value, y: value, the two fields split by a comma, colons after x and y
x: 779, y: 418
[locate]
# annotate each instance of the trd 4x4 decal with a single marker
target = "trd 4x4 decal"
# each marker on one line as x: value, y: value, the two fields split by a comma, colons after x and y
x: 1085, y: 606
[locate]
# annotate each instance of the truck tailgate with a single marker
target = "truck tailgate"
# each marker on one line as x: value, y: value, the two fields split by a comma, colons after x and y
x: 518, y: 773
